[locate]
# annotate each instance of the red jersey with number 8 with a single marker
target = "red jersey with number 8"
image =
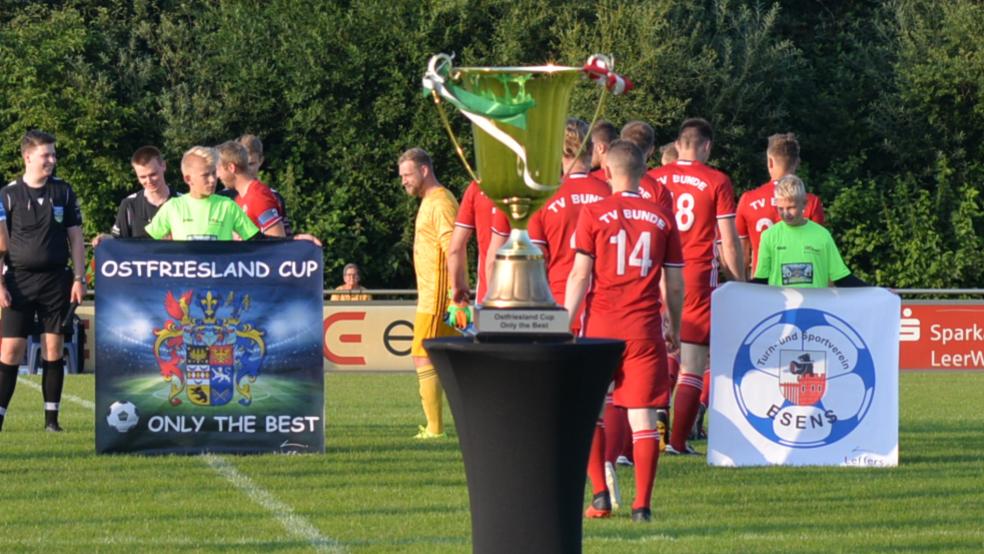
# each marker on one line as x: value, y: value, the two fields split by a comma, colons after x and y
x: 701, y: 196
x: 631, y: 240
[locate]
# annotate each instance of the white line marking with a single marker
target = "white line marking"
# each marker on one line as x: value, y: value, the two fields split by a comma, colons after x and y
x: 296, y: 525
x: 70, y: 397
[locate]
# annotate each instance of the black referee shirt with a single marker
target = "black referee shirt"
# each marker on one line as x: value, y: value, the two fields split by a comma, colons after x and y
x: 38, y: 221
x: 135, y: 214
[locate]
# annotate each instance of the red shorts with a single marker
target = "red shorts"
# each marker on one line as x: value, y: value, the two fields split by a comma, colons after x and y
x: 641, y: 380
x: 695, y: 323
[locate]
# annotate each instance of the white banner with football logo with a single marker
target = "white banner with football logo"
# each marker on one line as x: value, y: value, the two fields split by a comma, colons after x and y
x: 804, y: 376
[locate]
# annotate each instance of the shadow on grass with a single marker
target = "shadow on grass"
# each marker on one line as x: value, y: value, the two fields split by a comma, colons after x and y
x: 933, y: 442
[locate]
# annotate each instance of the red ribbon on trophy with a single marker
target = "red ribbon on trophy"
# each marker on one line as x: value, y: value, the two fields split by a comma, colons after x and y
x: 598, y: 69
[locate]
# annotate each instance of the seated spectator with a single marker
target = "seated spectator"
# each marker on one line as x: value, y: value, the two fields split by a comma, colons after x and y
x: 350, y: 274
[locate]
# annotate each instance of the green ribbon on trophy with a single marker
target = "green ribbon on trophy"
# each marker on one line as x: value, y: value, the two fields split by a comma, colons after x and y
x: 518, y: 115
x: 510, y: 110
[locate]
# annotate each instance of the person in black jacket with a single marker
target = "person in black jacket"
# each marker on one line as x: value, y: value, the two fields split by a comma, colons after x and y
x: 137, y: 209
x: 44, y: 223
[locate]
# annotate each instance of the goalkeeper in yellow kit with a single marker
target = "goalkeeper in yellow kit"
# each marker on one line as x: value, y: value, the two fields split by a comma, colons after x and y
x: 432, y: 238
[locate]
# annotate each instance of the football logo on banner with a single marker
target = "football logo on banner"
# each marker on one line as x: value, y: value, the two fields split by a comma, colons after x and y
x: 803, y: 378
x: 209, y: 357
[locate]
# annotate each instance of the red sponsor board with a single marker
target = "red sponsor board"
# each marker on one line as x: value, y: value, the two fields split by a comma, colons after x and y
x: 942, y: 335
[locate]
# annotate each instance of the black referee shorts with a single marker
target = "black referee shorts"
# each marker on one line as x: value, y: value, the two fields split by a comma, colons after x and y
x: 42, y: 293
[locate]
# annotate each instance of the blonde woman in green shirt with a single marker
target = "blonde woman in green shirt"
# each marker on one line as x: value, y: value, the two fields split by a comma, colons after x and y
x: 797, y: 252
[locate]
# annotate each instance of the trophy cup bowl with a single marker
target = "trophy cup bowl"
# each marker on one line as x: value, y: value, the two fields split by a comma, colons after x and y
x: 520, y: 187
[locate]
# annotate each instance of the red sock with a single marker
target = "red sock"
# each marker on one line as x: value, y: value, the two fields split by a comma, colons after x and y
x: 685, y: 404
x: 616, y: 427
x: 645, y: 444
x: 609, y: 415
x: 705, y: 394
x: 673, y: 369
x: 596, y: 460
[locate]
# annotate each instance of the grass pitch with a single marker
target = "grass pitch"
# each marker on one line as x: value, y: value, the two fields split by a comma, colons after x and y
x: 378, y: 490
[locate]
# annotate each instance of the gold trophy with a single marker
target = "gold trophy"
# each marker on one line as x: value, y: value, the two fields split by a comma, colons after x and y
x: 518, y: 116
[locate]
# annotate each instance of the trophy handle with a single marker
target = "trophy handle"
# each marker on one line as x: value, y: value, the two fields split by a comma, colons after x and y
x: 433, y: 81
x: 587, y: 137
x: 599, y: 68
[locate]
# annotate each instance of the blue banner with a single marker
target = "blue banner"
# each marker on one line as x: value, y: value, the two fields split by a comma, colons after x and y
x: 209, y: 347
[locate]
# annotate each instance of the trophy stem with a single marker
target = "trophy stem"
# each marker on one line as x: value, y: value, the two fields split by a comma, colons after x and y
x: 519, y: 276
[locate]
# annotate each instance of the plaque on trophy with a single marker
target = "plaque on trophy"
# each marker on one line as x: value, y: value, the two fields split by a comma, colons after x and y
x: 518, y: 116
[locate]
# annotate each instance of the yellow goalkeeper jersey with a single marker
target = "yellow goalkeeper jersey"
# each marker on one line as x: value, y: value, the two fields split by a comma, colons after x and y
x: 431, y: 240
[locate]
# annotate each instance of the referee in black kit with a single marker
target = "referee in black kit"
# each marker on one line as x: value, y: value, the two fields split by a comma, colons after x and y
x: 44, y: 224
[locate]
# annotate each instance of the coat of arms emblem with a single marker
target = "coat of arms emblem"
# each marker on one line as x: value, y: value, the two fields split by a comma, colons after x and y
x: 803, y: 377
x: 210, y: 357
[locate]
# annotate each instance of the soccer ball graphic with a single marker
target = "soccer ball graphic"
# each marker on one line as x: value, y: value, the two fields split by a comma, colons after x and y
x: 804, y: 378
x: 122, y: 416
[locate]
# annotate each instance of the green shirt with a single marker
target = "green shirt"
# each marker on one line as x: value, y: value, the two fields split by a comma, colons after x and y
x: 801, y: 256
x: 211, y: 218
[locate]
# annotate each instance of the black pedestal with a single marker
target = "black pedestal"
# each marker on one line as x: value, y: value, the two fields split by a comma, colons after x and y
x: 525, y: 414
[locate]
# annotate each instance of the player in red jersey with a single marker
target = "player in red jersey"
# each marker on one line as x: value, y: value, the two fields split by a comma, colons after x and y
x: 552, y: 227
x: 475, y: 215
x: 757, y: 207
x: 703, y: 203
x: 643, y: 136
x: 603, y: 134
x: 254, y: 197
x: 623, y: 244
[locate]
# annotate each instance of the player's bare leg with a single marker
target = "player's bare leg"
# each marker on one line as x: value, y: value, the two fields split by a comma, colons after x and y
x: 690, y: 383
x: 645, y: 445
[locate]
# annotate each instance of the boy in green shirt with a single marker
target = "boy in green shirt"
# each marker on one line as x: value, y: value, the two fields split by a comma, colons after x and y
x: 797, y: 252
x: 200, y: 214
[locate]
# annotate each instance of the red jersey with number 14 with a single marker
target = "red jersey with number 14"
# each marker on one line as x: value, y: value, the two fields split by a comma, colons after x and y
x: 701, y: 196
x: 631, y: 240
x: 552, y: 226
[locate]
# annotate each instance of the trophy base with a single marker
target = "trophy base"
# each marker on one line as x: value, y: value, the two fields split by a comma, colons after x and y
x: 547, y: 324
